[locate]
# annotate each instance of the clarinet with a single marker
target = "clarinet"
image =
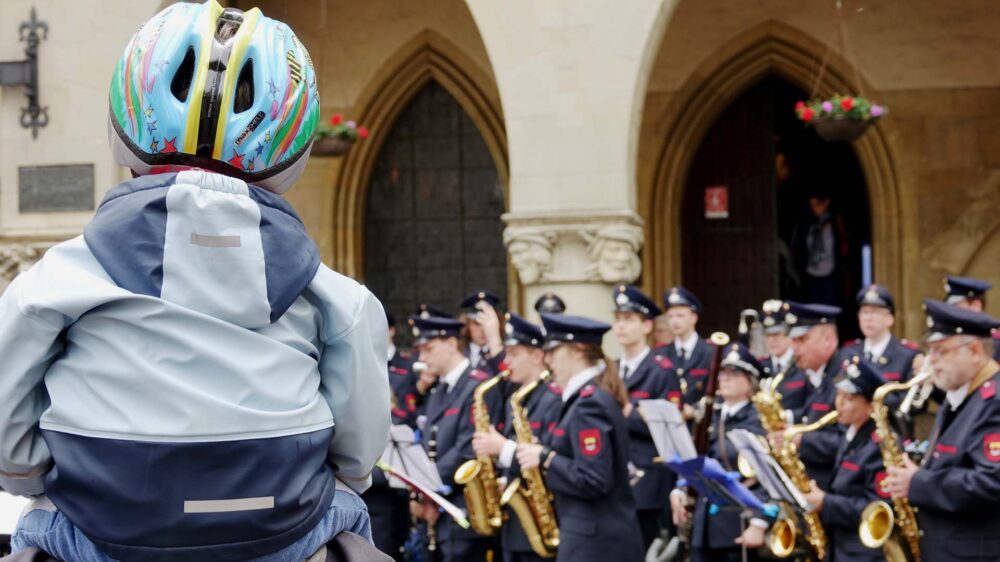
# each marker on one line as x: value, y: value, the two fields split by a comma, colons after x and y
x: 432, y: 527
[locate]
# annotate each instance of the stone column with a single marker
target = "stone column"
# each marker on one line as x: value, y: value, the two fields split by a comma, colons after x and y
x: 572, y: 81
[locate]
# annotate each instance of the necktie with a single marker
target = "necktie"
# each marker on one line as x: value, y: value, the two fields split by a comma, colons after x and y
x: 625, y: 372
x: 868, y: 356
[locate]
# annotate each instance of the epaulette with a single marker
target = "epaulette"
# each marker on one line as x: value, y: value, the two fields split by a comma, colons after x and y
x: 663, y: 361
x: 587, y: 391
x: 478, y: 375
x: 852, y: 342
x: 910, y: 344
x: 988, y: 390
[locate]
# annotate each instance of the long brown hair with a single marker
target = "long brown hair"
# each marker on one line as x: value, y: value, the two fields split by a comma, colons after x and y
x: 609, y: 381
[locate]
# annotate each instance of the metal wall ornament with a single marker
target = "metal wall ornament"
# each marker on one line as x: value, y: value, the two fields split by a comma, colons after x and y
x: 25, y: 73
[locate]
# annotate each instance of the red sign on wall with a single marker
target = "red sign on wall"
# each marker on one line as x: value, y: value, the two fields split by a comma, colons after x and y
x: 717, y: 202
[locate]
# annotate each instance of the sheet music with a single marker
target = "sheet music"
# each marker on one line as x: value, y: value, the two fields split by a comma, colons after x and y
x: 668, y: 429
x: 406, y: 455
x: 769, y: 473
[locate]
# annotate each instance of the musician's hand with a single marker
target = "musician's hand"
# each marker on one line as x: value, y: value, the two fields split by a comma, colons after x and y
x: 678, y: 511
x: 431, y: 513
x: 527, y: 455
x: 918, y: 362
x: 488, y: 443
x: 752, y: 537
x: 689, y: 412
x: 425, y: 382
x: 627, y: 410
x: 416, y: 509
x: 815, y: 496
x: 777, y: 439
x: 898, y: 480
x: 488, y: 318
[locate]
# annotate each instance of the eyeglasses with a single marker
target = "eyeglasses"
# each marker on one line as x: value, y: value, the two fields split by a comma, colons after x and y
x: 941, y: 351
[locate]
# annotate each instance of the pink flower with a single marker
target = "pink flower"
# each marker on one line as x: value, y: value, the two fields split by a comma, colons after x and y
x: 336, y: 119
x: 876, y: 110
x: 827, y: 107
x: 352, y: 124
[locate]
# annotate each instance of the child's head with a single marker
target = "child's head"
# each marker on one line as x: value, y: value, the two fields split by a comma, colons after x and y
x: 199, y: 86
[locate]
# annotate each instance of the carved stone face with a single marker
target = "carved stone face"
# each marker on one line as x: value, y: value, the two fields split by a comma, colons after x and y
x: 530, y: 259
x: 617, y: 261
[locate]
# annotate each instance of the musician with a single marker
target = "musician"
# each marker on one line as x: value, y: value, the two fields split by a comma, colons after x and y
x: 586, y: 455
x: 876, y: 315
x: 813, y: 331
x: 721, y: 536
x: 969, y: 292
x: 956, y: 488
x: 402, y: 379
x: 482, y: 337
x: 551, y: 303
x: 647, y: 374
x: 858, y: 475
x: 526, y: 362
x: 780, y: 356
x: 689, y: 353
x: 448, y: 428
x: 662, y: 336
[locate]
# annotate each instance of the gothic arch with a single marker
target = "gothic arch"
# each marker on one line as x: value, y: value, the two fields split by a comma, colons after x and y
x: 769, y: 48
x: 427, y: 56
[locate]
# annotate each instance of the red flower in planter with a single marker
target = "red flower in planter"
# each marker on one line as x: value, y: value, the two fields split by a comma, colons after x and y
x: 363, y: 132
x: 800, y: 105
x: 337, y: 119
x: 807, y: 114
x: 846, y: 104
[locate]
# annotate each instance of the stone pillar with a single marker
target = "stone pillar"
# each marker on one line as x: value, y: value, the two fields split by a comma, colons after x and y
x: 572, y: 81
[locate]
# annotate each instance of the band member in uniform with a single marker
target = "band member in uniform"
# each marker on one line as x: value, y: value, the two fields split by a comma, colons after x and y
x: 781, y: 357
x: 720, y: 536
x: 586, y: 455
x: 858, y: 475
x: 647, y: 374
x: 956, y: 488
x: 689, y: 353
x: 482, y: 331
x: 526, y: 362
x: 662, y: 336
x: 813, y: 331
x: 969, y: 292
x: 448, y: 428
x: 551, y: 303
x: 876, y: 315
x: 402, y: 379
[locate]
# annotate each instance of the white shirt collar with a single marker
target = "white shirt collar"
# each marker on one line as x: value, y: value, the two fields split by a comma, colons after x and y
x: 816, y: 377
x: 956, y: 397
x: 577, y: 381
x: 850, y: 433
x: 452, y: 377
x: 785, y: 360
x: 728, y: 410
x: 632, y: 363
x: 686, y: 346
x: 392, y: 352
x: 474, y: 350
x: 877, y: 349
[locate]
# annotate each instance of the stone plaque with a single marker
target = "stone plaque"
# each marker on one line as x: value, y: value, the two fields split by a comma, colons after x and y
x: 52, y: 189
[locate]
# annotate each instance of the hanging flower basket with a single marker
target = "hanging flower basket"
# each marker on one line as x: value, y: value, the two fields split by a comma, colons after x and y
x: 840, y: 118
x: 338, y: 137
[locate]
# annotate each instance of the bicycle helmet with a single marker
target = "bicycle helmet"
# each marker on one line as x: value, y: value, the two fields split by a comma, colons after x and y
x: 199, y: 86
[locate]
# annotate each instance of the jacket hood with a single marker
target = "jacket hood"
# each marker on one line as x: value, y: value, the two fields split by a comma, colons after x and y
x: 207, y: 242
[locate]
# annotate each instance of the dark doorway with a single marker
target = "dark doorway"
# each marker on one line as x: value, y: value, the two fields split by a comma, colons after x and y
x: 432, y: 226
x: 770, y: 165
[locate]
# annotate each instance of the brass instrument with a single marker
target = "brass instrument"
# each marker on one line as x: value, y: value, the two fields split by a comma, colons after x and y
x: 478, y: 476
x: 894, y: 528
x: 788, y: 457
x: 527, y: 496
x: 917, y: 394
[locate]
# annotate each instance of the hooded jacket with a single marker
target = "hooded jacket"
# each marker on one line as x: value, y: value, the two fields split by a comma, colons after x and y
x: 185, y: 380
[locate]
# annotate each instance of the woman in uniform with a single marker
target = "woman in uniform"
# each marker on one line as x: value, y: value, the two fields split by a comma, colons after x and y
x: 585, y: 457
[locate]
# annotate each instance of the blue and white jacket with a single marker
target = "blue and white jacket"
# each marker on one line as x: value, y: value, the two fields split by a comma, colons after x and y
x: 185, y: 379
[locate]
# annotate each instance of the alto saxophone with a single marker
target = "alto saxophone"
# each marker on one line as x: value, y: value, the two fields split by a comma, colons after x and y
x: 788, y: 457
x: 527, y: 495
x: 482, y: 491
x: 894, y: 528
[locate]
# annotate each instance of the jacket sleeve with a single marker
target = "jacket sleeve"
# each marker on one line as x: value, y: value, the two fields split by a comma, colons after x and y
x: 352, y: 369
x: 820, y: 447
x: 29, y: 343
x: 587, y: 473
x: 845, y: 511
x: 955, y: 489
x: 449, y: 461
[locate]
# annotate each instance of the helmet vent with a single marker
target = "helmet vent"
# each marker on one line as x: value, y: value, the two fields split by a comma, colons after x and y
x: 229, y: 23
x: 244, y: 89
x: 181, y: 83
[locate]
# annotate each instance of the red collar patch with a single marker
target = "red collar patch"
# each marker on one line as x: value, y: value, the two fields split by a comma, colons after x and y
x: 988, y: 390
x: 399, y: 371
x: 587, y: 391
x: 674, y: 396
x: 663, y: 361
x: 891, y: 376
x: 478, y: 375
x: 991, y: 447
x: 590, y: 442
x: 820, y: 407
x: 638, y: 394
x: 794, y: 384
x: 850, y: 466
x: 555, y: 388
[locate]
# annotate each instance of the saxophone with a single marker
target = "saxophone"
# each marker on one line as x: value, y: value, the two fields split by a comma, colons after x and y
x: 527, y: 496
x: 894, y: 528
x: 482, y: 492
x: 788, y: 457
